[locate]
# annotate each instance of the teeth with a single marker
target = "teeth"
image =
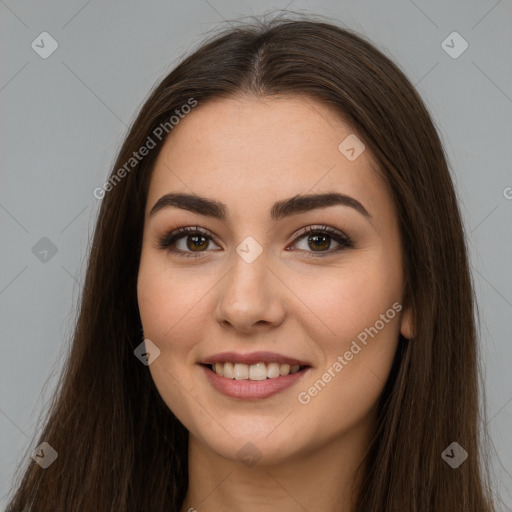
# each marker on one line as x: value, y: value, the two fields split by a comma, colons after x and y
x: 259, y: 371
x: 273, y: 370
x: 241, y: 371
x: 284, y: 369
x: 227, y: 370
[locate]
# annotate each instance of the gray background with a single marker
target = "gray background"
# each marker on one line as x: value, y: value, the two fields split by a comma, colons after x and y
x: 63, y: 119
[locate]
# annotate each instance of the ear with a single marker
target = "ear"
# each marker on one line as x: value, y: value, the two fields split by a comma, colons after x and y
x: 406, y: 324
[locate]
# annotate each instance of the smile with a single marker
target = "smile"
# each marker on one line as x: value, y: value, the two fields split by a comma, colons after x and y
x: 258, y: 371
x: 253, y: 375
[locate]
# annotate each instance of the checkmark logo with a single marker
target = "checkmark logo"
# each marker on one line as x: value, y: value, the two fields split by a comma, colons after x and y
x: 351, y: 147
x: 454, y: 455
x: 44, y: 45
x: 44, y: 455
x: 44, y: 250
x: 146, y: 352
x: 350, y: 152
x: 249, y: 454
x: 454, y: 45
x: 249, y: 249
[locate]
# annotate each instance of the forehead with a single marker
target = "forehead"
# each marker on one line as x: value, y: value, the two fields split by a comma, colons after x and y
x: 249, y: 152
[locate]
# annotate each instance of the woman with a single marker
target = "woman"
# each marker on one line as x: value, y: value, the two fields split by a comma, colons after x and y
x: 278, y: 311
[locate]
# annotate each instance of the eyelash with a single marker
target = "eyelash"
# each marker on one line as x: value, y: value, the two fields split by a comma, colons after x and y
x: 168, y: 240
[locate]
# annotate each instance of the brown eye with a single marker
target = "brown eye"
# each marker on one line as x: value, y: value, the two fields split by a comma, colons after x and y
x: 196, y: 241
x: 319, y: 240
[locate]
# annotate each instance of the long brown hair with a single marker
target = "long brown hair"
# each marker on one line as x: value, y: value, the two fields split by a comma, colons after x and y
x: 119, y: 446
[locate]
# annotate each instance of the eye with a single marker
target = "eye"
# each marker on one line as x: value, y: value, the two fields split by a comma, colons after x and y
x: 319, y: 238
x: 197, y: 240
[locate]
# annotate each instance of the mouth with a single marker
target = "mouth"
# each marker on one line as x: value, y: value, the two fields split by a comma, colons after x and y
x: 254, y: 372
x: 253, y: 376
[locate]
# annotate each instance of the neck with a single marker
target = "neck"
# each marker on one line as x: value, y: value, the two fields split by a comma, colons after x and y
x: 323, y: 478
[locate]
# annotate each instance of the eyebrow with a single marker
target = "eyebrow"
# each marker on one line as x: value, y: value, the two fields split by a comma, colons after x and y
x: 280, y: 209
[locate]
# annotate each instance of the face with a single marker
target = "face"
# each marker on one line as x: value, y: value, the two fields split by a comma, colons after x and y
x: 260, y: 284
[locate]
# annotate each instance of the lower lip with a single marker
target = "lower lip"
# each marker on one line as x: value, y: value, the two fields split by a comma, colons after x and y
x: 248, y: 389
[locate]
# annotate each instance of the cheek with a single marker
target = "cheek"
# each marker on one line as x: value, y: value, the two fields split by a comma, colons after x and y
x: 352, y: 298
x: 170, y: 304
x: 167, y: 308
x: 172, y: 315
x: 343, y: 394
x: 360, y: 313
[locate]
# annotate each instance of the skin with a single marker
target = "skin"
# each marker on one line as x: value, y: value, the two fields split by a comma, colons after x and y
x: 249, y: 153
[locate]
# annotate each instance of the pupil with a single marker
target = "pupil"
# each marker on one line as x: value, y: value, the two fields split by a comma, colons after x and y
x: 195, y: 244
x: 316, y: 237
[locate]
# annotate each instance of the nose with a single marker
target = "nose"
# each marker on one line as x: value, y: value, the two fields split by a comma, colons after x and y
x: 251, y: 296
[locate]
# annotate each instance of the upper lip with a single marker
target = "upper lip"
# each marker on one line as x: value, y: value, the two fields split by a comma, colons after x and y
x: 253, y: 358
